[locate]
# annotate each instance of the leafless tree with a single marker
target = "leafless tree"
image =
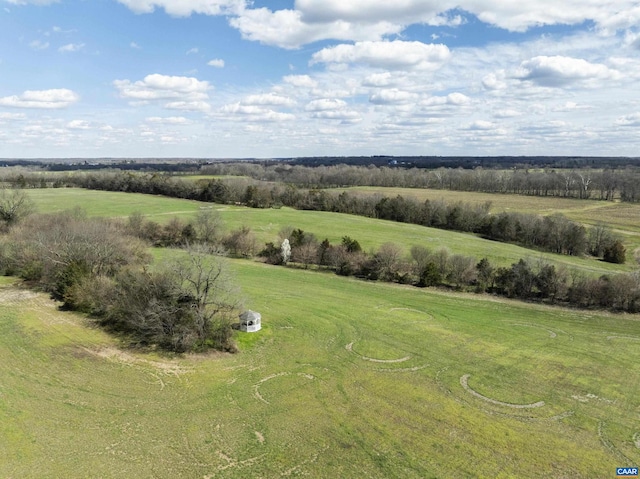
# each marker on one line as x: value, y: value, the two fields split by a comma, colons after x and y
x: 208, y: 226
x: 15, y: 205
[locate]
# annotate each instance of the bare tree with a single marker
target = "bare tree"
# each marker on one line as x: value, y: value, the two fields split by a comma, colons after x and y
x: 208, y: 226
x: 15, y: 205
x: 206, y: 283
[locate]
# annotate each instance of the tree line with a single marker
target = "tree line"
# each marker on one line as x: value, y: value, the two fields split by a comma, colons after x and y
x: 525, y: 279
x: 553, y: 233
x: 581, y: 183
x: 607, y: 183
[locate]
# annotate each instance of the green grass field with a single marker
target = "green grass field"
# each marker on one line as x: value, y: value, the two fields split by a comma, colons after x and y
x: 347, y: 379
x: 267, y: 223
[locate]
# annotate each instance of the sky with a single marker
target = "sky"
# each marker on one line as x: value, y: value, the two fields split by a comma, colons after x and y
x: 285, y: 78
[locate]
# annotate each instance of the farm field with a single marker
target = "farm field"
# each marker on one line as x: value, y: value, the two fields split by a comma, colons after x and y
x: 266, y: 223
x: 346, y: 379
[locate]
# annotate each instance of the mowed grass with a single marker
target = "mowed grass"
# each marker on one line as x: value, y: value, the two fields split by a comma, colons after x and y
x: 347, y: 379
x: 267, y: 223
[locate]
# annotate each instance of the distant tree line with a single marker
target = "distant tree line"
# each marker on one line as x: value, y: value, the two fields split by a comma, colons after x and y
x: 554, y: 233
x: 524, y: 279
x: 584, y: 183
x: 608, y: 183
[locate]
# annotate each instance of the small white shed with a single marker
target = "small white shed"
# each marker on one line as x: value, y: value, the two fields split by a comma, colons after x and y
x: 250, y: 321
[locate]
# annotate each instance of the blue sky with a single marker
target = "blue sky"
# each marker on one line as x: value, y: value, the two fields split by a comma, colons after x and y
x: 280, y: 78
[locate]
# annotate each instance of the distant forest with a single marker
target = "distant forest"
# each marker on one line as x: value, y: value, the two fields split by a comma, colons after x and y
x: 426, y: 162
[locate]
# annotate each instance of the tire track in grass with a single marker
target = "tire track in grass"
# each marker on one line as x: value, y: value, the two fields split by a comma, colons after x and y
x: 464, y: 383
x: 349, y: 347
x: 256, y: 387
x: 606, y: 442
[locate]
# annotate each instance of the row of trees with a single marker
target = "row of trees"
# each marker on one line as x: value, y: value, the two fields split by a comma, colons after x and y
x: 525, y: 279
x: 551, y: 233
x: 96, y: 266
x: 583, y: 183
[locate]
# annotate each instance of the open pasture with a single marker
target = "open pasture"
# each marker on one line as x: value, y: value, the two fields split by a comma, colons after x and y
x: 266, y: 224
x: 347, y: 379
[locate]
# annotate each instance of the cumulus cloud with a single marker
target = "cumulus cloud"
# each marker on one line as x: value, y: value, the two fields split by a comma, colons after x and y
x: 395, y: 55
x: 38, y: 45
x: 4, y: 116
x: 392, y: 97
x: 286, y: 29
x: 454, y: 99
x: 71, y: 48
x: 495, y: 81
x: 255, y: 113
x: 79, y: 125
x: 303, y: 81
x: 202, y: 106
x: 164, y: 87
x: 325, y: 104
x: 333, y: 109
x: 514, y: 16
x: 367, y: 20
x: 216, y: 62
x: 629, y: 120
x: 385, y: 79
x: 481, y: 125
x: 169, y: 120
x: 270, y: 99
x: 184, y: 8
x: 180, y: 93
x: 557, y: 71
x: 44, y: 99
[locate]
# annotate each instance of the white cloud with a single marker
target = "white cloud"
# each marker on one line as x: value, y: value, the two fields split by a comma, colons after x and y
x: 558, y: 70
x: 170, y: 120
x: 388, y: 55
x: 71, y: 47
x: 507, y: 113
x: 495, y: 81
x: 79, y: 125
x: 629, y: 120
x: 481, y: 125
x: 385, y: 79
x: 332, y: 109
x: 135, y: 46
x: 44, y: 99
x: 454, y: 99
x: 38, y: 45
x: 4, y: 116
x: 188, y: 106
x: 216, y: 62
x: 303, y: 81
x: 392, y: 97
x: 184, y: 8
x: 510, y: 15
x: 192, y: 51
x: 164, y: 87
x: 286, y: 29
x: 325, y: 104
x: 255, y: 113
x: 270, y: 99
